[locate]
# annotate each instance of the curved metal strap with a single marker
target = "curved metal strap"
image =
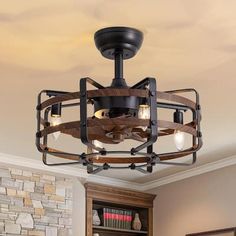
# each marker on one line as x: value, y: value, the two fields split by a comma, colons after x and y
x: 176, y: 98
x: 118, y: 92
x: 130, y: 122
x: 59, y: 99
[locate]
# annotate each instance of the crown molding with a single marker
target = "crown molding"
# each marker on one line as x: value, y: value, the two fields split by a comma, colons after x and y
x: 37, y: 165
x: 26, y: 163
x: 8, y: 160
x: 229, y: 161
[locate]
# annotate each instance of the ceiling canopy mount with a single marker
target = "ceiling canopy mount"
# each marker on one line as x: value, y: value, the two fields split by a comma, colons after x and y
x: 122, y: 40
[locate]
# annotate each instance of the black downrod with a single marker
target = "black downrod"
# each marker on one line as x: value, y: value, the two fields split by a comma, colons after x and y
x: 118, y: 44
x: 118, y: 80
x: 118, y: 65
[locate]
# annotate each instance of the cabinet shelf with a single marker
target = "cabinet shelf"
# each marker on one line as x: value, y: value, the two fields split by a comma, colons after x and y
x: 100, y: 197
x: 102, y: 228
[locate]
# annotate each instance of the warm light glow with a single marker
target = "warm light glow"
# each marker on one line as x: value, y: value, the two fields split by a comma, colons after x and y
x: 179, y: 140
x: 56, y: 120
x: 101, y: 114
x: 97, y: 144
x: 144, y: 112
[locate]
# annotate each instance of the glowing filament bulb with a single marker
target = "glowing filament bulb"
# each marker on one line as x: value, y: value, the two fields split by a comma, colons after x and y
x: 144, y: 112
x: 56, y: 120
x: 179, y: 140
x: 98, y: 144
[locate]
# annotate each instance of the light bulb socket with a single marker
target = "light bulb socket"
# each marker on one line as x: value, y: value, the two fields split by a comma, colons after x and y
x: 56, y: 110
x: 178, y: 117
x: 144, y: 101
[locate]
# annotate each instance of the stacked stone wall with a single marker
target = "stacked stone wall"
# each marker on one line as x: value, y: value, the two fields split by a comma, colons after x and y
x: 34, y: 204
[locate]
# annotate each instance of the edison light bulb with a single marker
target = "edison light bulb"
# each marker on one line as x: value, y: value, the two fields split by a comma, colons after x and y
x: 97, y: 144
x: 144, y: 112
x: 179, y: 140
x: 56, y: 120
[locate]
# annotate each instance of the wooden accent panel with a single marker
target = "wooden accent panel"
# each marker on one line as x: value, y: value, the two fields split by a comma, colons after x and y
x: 95, y: 125
x: 177, y: 126
x: 59, y: 99
x: 150, y: 221
x: 89, y: 215
x: 176, y: 98
x: 118, y: 92
x: 119, y: 160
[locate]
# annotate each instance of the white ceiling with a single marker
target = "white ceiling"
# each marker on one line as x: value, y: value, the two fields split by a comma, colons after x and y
x: 49, y: 44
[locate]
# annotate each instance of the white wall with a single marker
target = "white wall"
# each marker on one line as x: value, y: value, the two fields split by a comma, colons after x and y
x: 200, y: 203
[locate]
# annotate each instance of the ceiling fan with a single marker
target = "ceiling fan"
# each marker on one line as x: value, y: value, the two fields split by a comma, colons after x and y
x: 120, y: 112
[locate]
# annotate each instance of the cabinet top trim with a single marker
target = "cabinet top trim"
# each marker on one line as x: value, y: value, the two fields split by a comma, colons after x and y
x: 119, y: 195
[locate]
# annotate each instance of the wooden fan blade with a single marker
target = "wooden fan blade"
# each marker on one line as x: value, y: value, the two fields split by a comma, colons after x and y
x: 136, y: 137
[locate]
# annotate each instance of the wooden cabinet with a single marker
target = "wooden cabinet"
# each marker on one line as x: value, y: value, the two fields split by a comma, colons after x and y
x: 100, y: 196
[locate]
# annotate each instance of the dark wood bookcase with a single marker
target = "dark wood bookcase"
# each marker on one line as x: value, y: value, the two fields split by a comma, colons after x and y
x: 100, y: 196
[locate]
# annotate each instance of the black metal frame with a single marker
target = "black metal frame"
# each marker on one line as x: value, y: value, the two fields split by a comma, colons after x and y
x: 84, y: 133
x: 83, y: 115
x: 117, y: 43
x: 195, y: 140
x: 154, y: 104
x: 153, y: 112
x: 46, y: 124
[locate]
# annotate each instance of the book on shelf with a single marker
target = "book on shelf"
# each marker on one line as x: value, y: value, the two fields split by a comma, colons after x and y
x: 121, y: 219
x: 116, y: 218
x: 105, y: 215
x: 130, y: 219
x: 110, y: 217
x: 124, y: 220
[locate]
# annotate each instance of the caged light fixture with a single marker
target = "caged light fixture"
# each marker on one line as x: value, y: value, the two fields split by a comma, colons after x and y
x: 120, y: 112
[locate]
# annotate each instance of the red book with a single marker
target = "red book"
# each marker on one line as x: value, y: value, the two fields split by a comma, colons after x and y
x: 120, y: 218
x: 129, y: 219
x: 125, y: 220
x: 105, y: 217
x: 113, y: 217
x: 116, y: 217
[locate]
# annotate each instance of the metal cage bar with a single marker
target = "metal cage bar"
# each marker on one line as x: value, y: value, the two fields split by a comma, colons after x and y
x: 154, y: 104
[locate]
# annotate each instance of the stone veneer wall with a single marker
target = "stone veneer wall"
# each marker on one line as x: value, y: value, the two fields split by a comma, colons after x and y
x: 34, y: 204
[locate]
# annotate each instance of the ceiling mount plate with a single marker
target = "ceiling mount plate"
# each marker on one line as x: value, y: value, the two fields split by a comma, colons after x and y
x: 118, y: 39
